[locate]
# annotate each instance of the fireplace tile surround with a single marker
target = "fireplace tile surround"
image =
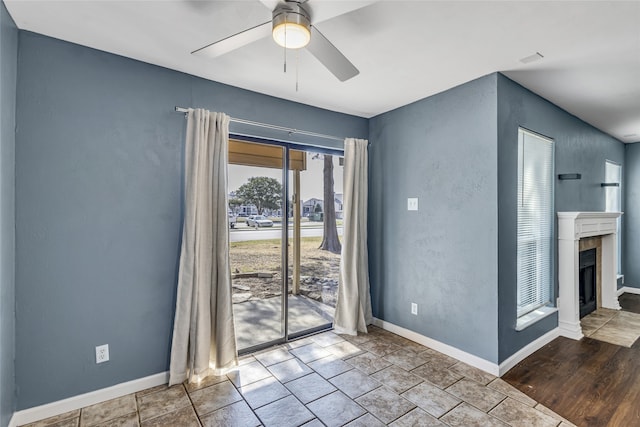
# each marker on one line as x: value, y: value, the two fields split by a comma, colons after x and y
x: 572, y: 227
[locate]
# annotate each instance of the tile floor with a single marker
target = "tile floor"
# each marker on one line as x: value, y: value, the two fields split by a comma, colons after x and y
x: 612, y: 326
x: 369, y: 380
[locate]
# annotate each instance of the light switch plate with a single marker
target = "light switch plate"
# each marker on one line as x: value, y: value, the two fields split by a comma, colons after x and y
x: 412, y: 204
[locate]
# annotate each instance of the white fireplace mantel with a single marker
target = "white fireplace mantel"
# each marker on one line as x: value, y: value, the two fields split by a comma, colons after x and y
x: 573, y: 226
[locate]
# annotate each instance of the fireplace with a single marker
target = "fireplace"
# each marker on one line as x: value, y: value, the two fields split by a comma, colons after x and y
x: 587, y: 282
x: 574, y: 227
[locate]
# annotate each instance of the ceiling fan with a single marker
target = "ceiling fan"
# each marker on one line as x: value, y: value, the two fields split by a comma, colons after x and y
x: 291, y: 27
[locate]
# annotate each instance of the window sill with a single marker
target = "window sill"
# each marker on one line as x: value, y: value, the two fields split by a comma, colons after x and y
x: 533, y: 317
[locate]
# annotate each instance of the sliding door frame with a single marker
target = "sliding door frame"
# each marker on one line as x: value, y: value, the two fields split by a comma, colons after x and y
x: 286, y: 147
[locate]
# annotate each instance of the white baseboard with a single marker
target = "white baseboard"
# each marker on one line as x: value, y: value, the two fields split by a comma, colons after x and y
x: 468, y: 358
x: 527, y: 350
x: 628, y: 290
x: 38, y: 413
x: 454, y: 352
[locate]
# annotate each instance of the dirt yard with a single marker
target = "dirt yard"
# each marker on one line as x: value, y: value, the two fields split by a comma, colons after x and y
x: 319, y: 270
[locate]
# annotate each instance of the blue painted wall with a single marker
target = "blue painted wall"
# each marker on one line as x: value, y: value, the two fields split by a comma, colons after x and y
x: 99, y: 154
x: 444, y: 257
x: 631, y: 248
x: 579, y: 148
x: 8, y: 69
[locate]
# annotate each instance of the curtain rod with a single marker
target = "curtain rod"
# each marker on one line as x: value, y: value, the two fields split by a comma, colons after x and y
x: 290, y: 131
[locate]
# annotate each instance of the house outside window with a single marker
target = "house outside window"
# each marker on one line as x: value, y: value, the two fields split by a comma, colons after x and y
x: 535, y: 222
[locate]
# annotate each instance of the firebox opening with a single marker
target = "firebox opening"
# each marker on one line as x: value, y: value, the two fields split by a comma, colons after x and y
x: 587, y: 282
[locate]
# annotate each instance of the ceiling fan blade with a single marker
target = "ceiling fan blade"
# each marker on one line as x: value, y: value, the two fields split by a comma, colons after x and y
x: 270, y: 4
x: 323, y: 10
x: 235, y: 41
x: 330, y: 56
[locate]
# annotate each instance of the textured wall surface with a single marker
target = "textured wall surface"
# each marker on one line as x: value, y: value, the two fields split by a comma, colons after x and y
x: 579, y: 148
x: 443, y: 257
x: 99, y: 192
x: 631, y: 248
x: 8, y: 67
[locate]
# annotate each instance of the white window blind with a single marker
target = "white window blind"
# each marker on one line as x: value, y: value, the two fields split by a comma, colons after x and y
x: 613, y: 200
x: 535, y: 221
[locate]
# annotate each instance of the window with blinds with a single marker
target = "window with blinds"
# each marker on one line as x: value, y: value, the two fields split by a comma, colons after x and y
x: 535, y: 221
x: 613, y: 200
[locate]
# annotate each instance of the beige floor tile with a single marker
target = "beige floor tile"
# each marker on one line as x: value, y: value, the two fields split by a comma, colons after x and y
x: 244, y: 359
x: 476, y: 394
x: 310, y: 388
x: 435, y: 358
x: 617, y: 332
x: 311, y: 352
x: 379, y: 348
x: 357, y: 339
x: 473, y: 373
x: 367, y: 420
x: 130, y: 420
x: 273, y: 356
x: 397, y: 379
x: 214, y: 397
x: 289, y: 370
x: 298, y: 343
x: 405, y: 360
x: 354, y: 383
x: 505, y: 388
x: 540, y: 407
x: 431, y: 399
x: 69, y: 422
x: 263, y: 392
x: 344, y: 349
x: 248, y: 373
x: 417, y: 418
x: 442, y: 377
x: 284, y: 413
x: 68, y: 417
x: 184, y: 417
x: 466, y: 415
x: 330, y: 366
x: 412, y: 346
x: 385, y: 404
x: 160, y: 387
x: 369, y: 363
x: 326, y: 339
x: 336, y: 409
x: 518, y: 414
x: 235, y: 415
x: 162, y: 402
x: 204, y: 382
x: 109, y: 410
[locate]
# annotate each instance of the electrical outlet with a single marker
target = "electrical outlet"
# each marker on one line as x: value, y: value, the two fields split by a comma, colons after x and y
x: 412, y: 204
x: 102, y: 353
x: 414, y: 308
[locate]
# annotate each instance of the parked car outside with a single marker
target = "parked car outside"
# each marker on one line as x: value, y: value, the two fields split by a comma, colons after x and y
x: 232, y: 221
x: 259, y: 221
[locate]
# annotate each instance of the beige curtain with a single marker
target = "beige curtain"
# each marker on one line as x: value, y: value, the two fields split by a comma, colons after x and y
x: 204, y: 339
x: 353, y: 307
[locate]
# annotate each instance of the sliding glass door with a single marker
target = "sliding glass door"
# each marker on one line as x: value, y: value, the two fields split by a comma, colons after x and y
x: 282, y: 291
x: 315, y: 233
x: 256, y: 203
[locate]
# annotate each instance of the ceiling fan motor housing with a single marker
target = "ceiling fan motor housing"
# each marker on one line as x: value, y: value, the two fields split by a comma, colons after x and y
x: 291, y: 25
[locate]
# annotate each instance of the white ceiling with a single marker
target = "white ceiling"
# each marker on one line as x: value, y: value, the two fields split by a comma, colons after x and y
x: 405, y: 50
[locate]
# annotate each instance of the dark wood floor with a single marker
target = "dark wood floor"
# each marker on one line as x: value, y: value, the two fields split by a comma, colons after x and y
x: 588, y: 382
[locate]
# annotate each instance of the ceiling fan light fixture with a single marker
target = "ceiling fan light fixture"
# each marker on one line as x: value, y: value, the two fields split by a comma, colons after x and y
x: 291, y: 26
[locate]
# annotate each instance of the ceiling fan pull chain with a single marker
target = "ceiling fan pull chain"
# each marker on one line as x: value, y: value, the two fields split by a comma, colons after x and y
x: 285, y: 49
